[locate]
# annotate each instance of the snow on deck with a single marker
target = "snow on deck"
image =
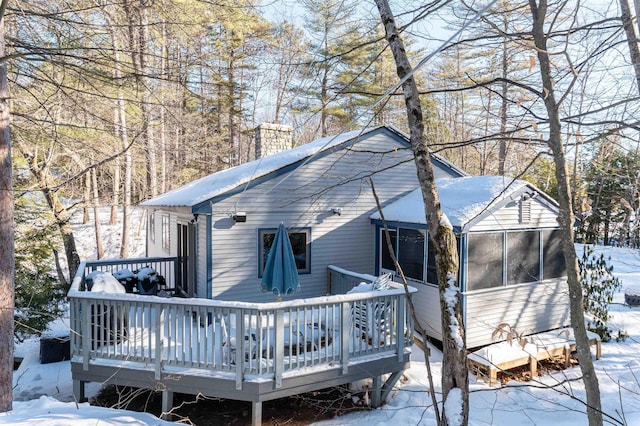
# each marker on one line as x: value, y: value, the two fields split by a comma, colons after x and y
x: 536, y: 347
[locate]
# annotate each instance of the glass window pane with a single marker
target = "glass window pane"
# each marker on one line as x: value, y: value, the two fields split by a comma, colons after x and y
x: 485, y: 260
x: 165, y: 232
x: 299, y: 246
x: 432, y: 275
x: 411, y: 253
x: 152, y: 225
x: 553, y: 265
x: 523, y: 257
x: 299, y: 243
x: 385, y: 257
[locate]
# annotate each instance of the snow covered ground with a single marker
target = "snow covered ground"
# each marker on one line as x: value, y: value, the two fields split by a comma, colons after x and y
x: 43, y: 392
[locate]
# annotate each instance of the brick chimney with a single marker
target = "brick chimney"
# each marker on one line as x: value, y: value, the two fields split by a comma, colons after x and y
x: 272, y: 138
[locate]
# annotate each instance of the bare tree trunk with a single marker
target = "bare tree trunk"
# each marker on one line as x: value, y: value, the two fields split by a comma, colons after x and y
x: 59, y: 271
x: 7, y: 264
x: 455, y: 377
x: 96, y: 214
x: 147, y: 131
x: 126, y: 188
x: 123, y: 134
x: 502, y: 156
x: 60, y: 213
x: 86, y: 199
x: 115, y: 199
x: 163, y: 129
x: 566, y: 217
x: 137, y: 17
x: 632, y: 38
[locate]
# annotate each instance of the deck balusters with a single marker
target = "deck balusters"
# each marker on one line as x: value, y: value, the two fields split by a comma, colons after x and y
x: 234, y: 338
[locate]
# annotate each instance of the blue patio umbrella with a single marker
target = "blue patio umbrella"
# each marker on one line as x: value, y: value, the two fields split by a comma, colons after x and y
x: 280, y: 274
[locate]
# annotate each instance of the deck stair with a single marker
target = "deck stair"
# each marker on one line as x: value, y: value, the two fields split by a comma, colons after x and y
x: 504, y: 356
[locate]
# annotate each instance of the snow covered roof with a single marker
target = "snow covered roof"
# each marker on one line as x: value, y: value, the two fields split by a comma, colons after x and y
x: 462, y: 199
x: 218, y: 183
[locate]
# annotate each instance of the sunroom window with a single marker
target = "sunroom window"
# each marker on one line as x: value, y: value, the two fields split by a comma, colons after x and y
x: 408, y: 246
x: 386, y: 261
x: 300, y: 243
x: 523, y: 257
x: 411, y: 253
x: 553, y: 264
x: 432, y: 274
x: 485, y: 260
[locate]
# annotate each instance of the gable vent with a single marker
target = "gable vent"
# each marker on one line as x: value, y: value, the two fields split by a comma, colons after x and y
x: 525, y: 209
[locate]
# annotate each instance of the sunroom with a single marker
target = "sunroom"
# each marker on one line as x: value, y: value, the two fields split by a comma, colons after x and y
x: 512, y: 271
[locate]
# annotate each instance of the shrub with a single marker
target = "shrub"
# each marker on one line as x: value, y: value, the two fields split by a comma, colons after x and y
x: 39, y: 294
x: 598, y: 285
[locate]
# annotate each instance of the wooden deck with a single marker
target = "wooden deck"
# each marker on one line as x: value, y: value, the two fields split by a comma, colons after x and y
x: 505, y: 356
x: 245, y: 351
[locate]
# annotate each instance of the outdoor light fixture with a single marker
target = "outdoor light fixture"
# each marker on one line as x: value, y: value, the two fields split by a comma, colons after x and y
x: 239, y: 217
x: 337, y: 210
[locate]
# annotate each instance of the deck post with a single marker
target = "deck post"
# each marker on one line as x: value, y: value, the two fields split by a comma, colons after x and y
x: 158, y: 355
x: 344, y: 344
x: 400, y: 334
x: 240, y: 348
x: 167, y: 404
x: 78, y: 391
x: 86, y: 332
x: 376, y: 392
x: 256, y: 413
x: 533, y: 367
x: 279, y: 348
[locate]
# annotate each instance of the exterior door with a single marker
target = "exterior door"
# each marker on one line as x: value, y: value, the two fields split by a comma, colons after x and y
x: 186, y: 258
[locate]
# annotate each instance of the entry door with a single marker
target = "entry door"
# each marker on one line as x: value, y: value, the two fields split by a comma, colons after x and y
x: 186, y: 258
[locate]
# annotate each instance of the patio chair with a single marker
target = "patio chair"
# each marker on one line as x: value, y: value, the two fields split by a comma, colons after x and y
x: 372, y: 320
x: 230, y: 345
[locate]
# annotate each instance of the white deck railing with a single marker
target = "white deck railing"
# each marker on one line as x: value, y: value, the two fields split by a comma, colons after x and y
x: 243, y: 341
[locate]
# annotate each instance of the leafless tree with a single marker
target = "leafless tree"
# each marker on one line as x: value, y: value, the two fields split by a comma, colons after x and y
x: 566, y: 216
x: 6, y: 234
x: 455, y: 380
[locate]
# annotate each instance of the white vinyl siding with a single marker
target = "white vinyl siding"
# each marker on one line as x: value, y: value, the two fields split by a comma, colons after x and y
x: 542, y: 215
x: 427, y: 304
x: 528, y: 308
x: 306, y: 198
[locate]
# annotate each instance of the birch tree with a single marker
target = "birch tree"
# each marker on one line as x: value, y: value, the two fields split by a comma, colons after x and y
x: 455, y: 377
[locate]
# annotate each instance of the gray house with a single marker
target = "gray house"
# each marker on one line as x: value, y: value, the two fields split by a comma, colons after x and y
x: 221, y: 226
x: 512, y: 269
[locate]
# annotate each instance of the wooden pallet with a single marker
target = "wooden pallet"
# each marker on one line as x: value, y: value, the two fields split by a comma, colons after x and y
x: 505, y: 356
